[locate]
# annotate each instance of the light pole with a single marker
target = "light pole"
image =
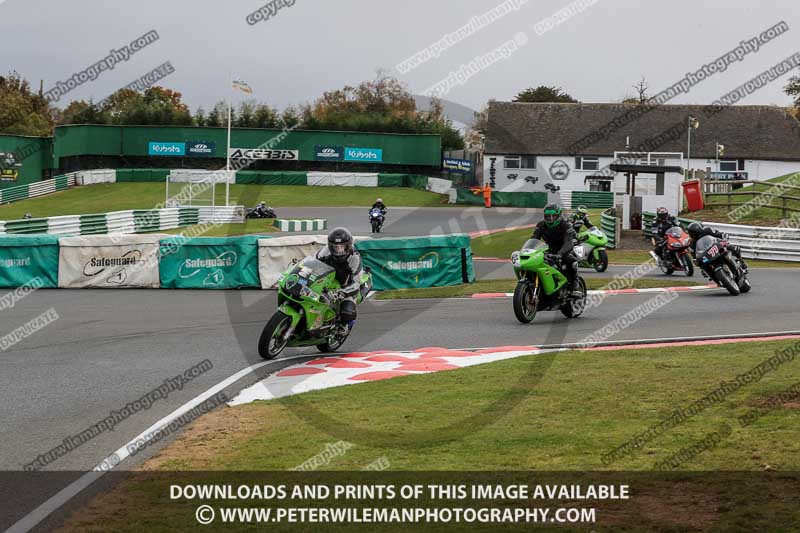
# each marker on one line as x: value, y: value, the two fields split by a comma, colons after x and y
x: 693, y: 125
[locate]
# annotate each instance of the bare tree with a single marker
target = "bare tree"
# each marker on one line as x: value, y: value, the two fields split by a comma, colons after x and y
x: 641, y: 89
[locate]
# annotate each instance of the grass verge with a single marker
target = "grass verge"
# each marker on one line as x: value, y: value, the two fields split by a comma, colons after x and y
x: 507, y: 285
x: 249, y: 227
x: 106, y: 197
x: 568, y: 410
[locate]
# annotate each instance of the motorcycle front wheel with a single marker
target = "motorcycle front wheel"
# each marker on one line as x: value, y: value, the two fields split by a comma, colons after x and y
x: 727, y: 281
x: 687, y: 265
x: 602, y: 264
x: 524, y: 303
x: 271, y: 343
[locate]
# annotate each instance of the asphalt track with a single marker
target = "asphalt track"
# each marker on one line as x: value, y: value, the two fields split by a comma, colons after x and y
x: 111, y: 347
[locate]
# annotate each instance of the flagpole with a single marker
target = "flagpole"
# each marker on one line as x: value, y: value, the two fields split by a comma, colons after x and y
x: 228, y: 151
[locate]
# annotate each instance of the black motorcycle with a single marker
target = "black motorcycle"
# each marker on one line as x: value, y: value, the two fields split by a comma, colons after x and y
x: 719, y: 265
x: 257, y: 212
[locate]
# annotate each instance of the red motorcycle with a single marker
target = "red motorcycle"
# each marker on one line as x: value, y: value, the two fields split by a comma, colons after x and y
x: 676, y: 253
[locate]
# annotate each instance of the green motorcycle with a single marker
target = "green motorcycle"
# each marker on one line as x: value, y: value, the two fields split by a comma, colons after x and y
x: 541, y: 286
x: 591, y: 249
x: 308, y: 309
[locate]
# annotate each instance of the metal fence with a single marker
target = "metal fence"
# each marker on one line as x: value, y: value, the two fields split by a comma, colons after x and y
x: 756, y: 242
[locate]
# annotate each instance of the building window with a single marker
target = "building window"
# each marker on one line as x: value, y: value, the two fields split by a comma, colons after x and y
x: 587, y: 163
x: 729, y: 166
x: 520, y: 161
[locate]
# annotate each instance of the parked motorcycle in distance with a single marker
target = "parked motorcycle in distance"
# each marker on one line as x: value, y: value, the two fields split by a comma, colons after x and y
x: 376, y: 219
x: 308, y: 309
x: 591, y: 249
x: 541, y: 286
x: 260, y: 212
x: 677, y: 256
x: 721, y: 266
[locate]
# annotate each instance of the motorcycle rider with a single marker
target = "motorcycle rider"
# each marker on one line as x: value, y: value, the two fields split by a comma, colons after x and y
x: 261, y: 210
x: 379, y: 205
x: 341, y: 254
x: 560, y: 238
x: 697, y: 231
x: 664, y: 221
x: 580, y: 218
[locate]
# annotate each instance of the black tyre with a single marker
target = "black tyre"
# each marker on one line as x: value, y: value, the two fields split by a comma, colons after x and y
x: 602, y: 264
x: 524, y: 303
x: 688, y: 266
x: 745, y: 286
x: 575, y: 308
x: 726, y: 281
x: 333, y: 343
x: 271, y: 342
x: 374, y: 226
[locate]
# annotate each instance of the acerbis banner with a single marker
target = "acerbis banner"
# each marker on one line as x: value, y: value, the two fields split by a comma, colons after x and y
x: 262, y: 155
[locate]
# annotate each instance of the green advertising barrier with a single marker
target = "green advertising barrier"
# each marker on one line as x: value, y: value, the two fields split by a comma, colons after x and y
x: 391, y: 180
x: 210, y: 262
x: 418, y: 262
x: 142, y: 175
x: 29, y: 261
x: 503, y: 199
x: 254, y: 177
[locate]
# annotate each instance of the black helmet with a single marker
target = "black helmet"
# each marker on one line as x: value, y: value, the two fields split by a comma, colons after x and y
x: 662, y: 213
x: 340, y: 244
x: 552, y: 215
x: 695, y: 229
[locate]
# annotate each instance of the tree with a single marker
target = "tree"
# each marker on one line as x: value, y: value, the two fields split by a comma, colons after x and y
x: 793, y: 90
x: 544, y: 94
x: 641, y: 97
x: 23, y: 112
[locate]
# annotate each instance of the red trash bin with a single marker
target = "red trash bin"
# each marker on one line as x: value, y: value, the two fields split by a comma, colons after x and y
x: 694, y: 195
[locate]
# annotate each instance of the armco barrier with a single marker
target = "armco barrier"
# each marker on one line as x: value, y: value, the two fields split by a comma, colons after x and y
x: 417, y: 262
x: 210, y: 263
x: 109, y: 261
x: 608, y: 223
x: 756, y: 242
x: 301, y: 225
x: 29, y: 261
x: 40, y: 188
x: 124, y: 222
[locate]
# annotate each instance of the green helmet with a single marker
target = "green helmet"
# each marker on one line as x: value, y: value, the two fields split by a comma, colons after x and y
x: 552, y: 215
x: 582, y: 211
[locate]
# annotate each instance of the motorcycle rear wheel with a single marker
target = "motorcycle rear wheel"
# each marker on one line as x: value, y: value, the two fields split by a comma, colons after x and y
x: 333, y: 343
x: 575, y: 308
x: 271, y: 343
x: 524, y: 303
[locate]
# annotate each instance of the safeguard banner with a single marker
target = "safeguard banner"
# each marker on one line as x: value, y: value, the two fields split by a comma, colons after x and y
x: 29, y: 261
x: 418, y: 262
x: 210, y: 263
x: 108, y: 261
x: 275, y: 255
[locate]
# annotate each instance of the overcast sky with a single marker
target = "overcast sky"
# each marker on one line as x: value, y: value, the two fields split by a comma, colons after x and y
x: 318, y: 45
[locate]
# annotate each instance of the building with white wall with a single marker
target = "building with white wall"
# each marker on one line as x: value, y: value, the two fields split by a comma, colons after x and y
x: 562, y: 148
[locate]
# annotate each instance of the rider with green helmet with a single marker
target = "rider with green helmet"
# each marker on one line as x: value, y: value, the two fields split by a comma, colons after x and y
x: 560, y: 237
x: 580, y: 218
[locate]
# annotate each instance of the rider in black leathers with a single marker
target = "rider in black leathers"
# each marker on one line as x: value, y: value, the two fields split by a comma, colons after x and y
x: 580, y: 218
x: 664, y: 221
x: 697, y: 231
x: 560, y: 238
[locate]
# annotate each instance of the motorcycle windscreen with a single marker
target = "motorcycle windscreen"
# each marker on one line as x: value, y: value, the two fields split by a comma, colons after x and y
x: 532, y: 245
x: 375, y: 213
x: 708, y: 248
x: 312, y: 267
x: 675, y: 232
